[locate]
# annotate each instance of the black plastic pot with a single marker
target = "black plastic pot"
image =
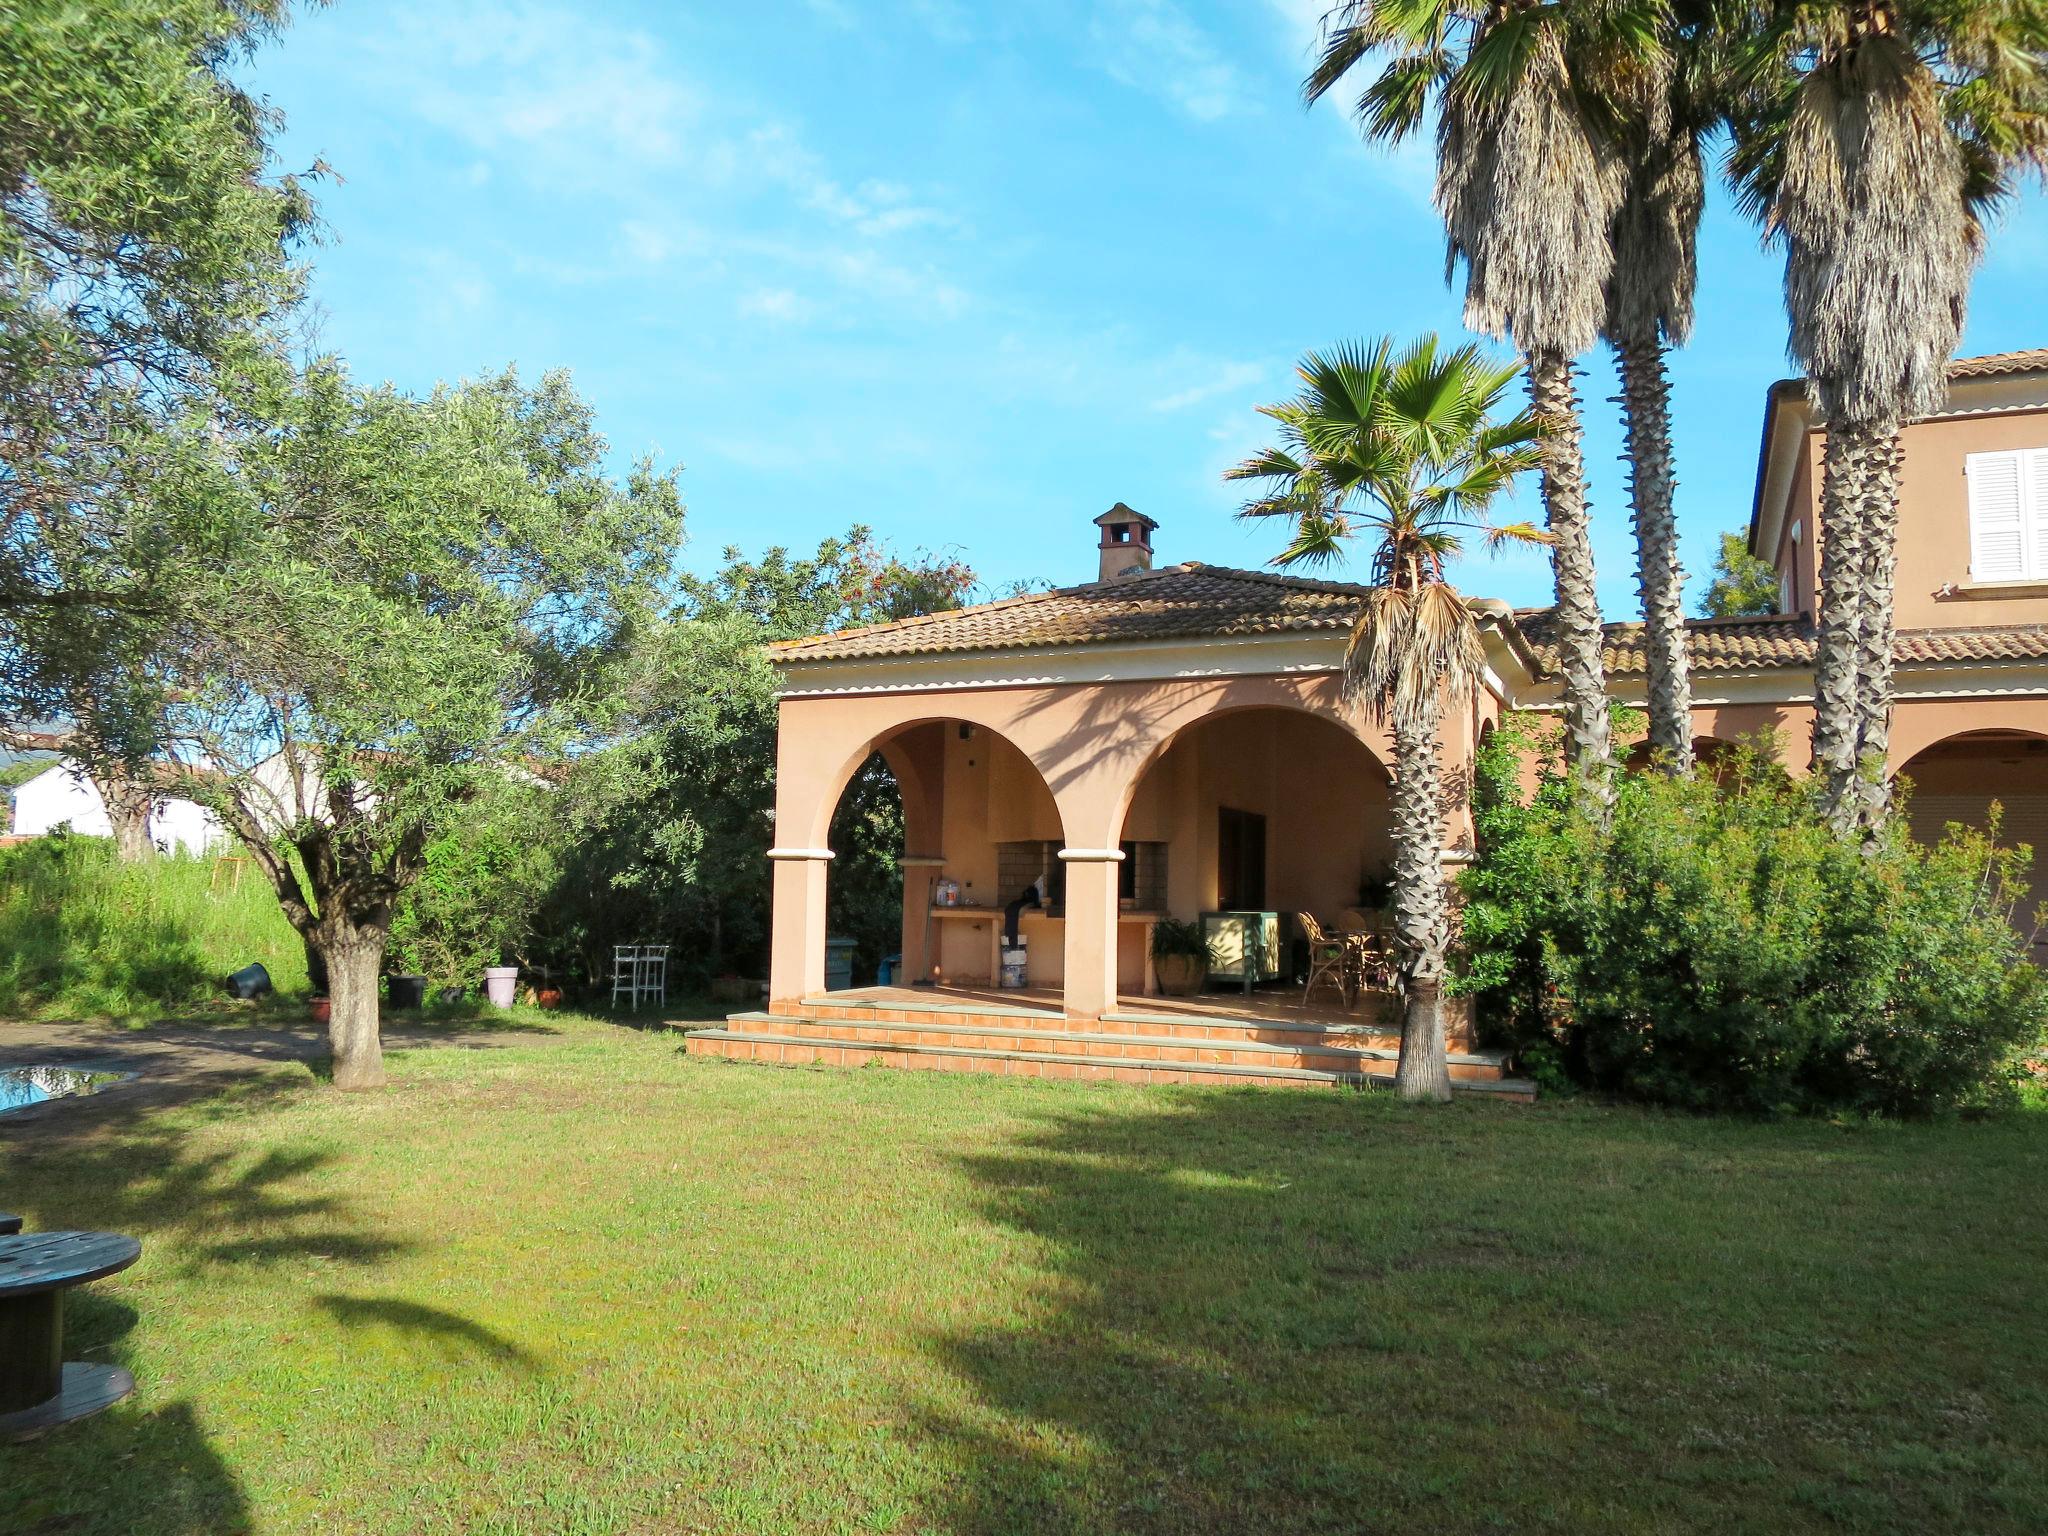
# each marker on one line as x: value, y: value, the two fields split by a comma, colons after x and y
x: 250, y: 981
x: 408, y: 991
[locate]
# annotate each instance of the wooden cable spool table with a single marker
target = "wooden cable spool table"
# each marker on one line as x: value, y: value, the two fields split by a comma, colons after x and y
x: 39, y: 1389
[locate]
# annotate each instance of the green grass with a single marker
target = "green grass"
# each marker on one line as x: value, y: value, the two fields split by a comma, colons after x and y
x: 576, y: 1282
x: 85, y: 936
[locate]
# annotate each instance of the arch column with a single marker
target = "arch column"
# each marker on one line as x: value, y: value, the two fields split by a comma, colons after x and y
x: 1091, y: 930
x: 796, y: 955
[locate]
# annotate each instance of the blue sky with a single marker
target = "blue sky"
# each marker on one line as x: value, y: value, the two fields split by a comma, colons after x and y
x: 966, y: 273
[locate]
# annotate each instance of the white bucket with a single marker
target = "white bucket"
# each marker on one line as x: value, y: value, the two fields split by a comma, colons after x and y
x: 1013, y: 965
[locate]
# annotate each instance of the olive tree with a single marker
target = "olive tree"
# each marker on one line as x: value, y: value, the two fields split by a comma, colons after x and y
x: 416, y: 598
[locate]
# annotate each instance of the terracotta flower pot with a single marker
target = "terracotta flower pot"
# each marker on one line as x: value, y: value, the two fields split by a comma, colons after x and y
x: 322, y: 1009
x: 548, y: 997
x: 1180, y: 975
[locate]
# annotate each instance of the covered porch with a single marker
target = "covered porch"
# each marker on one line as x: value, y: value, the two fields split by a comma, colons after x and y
x: 1057, y: 828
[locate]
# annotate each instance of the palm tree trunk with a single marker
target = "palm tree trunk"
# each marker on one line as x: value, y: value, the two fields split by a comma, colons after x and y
x: 1874, y: 635
x: 1421, y: 916
x: 1556, y: 404
x: 1858, y: 467
x: 1646, y: 406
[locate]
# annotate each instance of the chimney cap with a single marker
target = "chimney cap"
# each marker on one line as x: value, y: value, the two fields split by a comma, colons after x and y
x: 1123, y: 514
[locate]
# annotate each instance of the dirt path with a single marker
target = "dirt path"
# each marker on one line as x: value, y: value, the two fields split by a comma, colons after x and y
x: 175, y: 1062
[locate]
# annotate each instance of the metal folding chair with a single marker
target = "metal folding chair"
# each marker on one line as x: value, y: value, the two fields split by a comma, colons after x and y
x: 653, y: 973
x: 626, y: 974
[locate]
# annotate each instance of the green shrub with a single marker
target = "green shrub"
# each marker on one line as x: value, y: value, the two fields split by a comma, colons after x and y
x: 1717, y: 947
x: 477, y: 896
x: 84, y: 935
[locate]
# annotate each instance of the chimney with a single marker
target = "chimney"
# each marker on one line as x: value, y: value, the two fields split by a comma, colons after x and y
x: 1126, y: 542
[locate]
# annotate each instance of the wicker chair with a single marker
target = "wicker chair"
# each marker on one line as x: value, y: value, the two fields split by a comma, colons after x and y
x: 1370, y: 960
x: 1329, y: 962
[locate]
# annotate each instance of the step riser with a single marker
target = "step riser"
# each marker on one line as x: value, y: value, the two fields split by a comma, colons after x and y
x: 1213, y: 1050
x: 1365, y: 1037
x: 1005, y: 1066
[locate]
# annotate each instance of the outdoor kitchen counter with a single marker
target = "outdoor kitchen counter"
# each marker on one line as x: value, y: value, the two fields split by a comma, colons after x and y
x: 1032, y: 918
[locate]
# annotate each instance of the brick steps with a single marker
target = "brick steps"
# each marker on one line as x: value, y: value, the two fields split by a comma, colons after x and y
x: 1364, y: 1034
x: 954, y: 1045
x: 1326, y: 1053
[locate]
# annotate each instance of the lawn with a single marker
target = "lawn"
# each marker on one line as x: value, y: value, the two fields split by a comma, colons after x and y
x: 576, y: 1282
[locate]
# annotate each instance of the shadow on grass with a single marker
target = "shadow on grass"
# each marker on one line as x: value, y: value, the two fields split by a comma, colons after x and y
x: 1210, y: 1347
x: 147, y: 1178
x: 454, y: 1338
x: 149, y: 1465
x: 121, y: 1471
x: 1266, y: 1312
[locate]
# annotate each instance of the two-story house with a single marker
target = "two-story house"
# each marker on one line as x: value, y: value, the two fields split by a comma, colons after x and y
x: 1971, y: 604
x: 1081, y: 764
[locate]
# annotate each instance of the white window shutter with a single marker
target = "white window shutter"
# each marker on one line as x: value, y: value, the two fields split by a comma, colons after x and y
x: 1999, y: 520
x: 2034, y: 490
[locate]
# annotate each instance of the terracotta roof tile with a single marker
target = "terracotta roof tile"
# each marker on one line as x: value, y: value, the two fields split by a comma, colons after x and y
x: 1742, y: 645
x: 1192, y: 600
x: 1173, y: 602
x: 1994, y: 363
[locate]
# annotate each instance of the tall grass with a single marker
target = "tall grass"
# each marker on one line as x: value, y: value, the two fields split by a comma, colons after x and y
x: 83, y: 935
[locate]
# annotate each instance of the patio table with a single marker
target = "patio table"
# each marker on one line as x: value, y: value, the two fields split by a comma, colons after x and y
x: 39, y: 1389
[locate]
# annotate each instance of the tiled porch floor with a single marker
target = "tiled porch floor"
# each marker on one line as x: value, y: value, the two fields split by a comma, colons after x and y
x: 1267, y: 1004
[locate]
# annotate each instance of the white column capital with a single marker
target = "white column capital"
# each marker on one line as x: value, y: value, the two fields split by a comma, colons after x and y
x: 800, y: 853
x: 1092, y: 855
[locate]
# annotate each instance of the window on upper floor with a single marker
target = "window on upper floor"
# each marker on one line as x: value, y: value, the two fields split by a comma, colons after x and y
x: 2008, y: 515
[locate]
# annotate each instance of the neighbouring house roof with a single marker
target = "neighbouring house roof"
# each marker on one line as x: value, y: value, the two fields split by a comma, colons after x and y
x: 1173, y: 602
x: 1744, y: 645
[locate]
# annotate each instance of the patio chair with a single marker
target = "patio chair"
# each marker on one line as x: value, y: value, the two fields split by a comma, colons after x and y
x: 1370, y: 962
x: 1328, y: 959
x: 626, y: 974
x: 654, y: 972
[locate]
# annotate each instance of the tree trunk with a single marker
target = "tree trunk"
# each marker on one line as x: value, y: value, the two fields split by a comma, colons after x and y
x: 128, y: 802
x: 1579, y: 637
x: 1421, y: 921
x: 1875, y: 582
x: 1646, y: 402
x: 355, y: 959
x: 1859, y: 465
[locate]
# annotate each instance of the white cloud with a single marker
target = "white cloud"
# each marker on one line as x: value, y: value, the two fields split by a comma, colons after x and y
x: 1152, y: 46
x: 559, y: 89
x: 944, y: 19
x: 1301, y: 21
x: 450, y: 285
x: 784, y: 305
x: 834, y: 13
x: 1230, y: 377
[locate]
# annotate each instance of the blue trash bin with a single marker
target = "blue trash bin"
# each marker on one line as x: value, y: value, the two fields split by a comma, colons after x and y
x: 886, y: 975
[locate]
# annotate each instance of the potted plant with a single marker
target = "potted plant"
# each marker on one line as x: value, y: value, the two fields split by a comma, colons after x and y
x: 1180, y: 956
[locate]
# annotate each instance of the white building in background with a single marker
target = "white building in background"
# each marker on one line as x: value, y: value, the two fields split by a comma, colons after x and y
x: 63, y: 795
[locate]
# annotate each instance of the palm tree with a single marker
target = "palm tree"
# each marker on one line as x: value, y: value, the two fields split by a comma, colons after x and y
x: 1879, y: 133
x: 1528, y: 180
x: 1404, y: 450
x: 1663, y: 112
